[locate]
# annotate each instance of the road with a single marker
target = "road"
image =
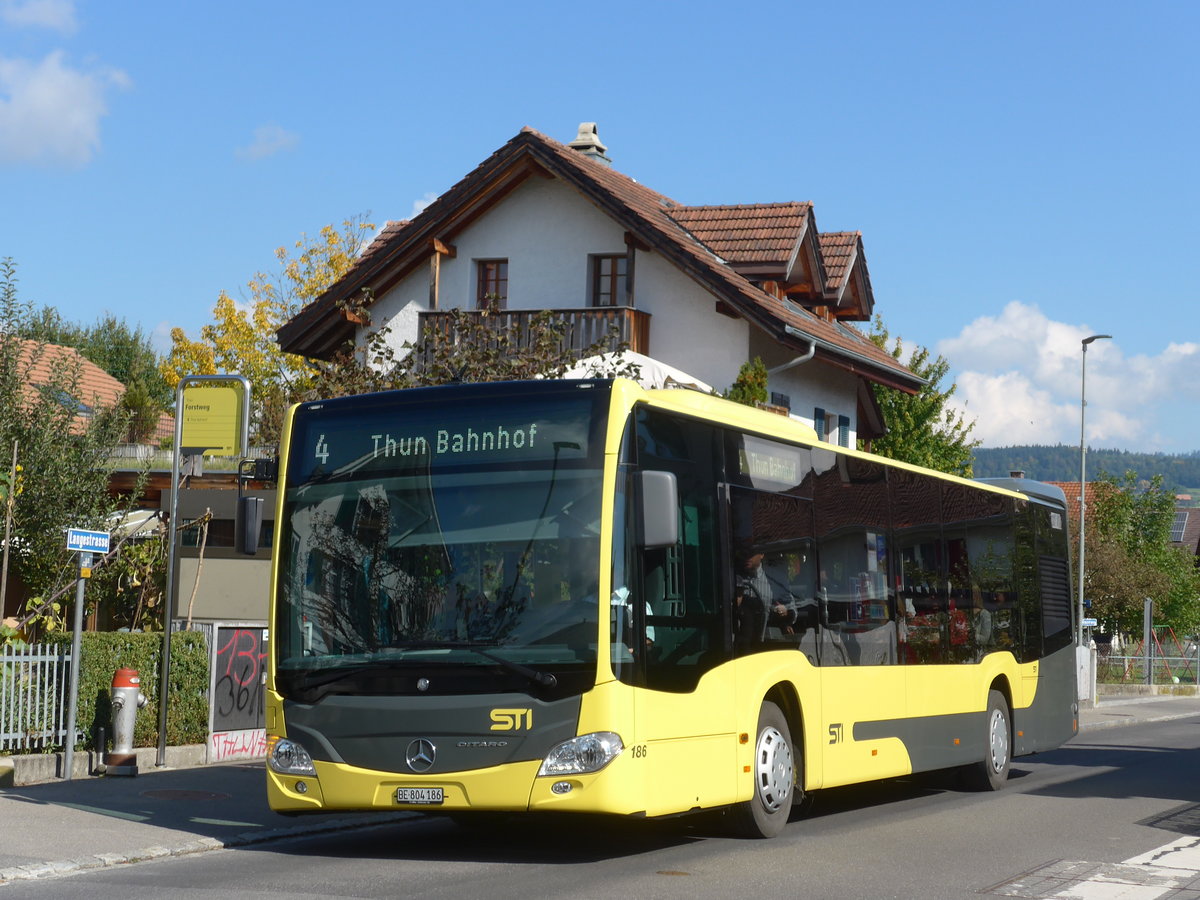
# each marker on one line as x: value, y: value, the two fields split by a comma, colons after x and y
x: 1097, y: 809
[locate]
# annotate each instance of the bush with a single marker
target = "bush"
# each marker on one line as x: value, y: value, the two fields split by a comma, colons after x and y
x: 750, y: 388
x: 104, y: 652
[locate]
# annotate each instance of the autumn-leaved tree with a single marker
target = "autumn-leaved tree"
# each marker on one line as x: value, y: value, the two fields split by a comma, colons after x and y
x: 921, y: 428
x: 240, y: 339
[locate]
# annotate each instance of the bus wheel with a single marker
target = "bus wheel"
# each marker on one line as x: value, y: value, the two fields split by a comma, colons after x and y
x: 991, y: 773
x: 774, y: 771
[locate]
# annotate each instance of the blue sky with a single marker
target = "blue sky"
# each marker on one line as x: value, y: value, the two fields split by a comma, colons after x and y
x: 1024, y: 174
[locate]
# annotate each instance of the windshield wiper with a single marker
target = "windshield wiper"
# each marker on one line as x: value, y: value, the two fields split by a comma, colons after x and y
x: 545, y: 679
x: 310, y: 680
x: 315, y: 678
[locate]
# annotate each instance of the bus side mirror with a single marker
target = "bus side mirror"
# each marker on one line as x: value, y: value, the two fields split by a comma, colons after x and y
x: 249, y: 524
x: 659, y: 498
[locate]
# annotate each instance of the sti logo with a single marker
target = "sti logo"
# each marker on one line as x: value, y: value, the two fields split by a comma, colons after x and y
x: 512, y: 719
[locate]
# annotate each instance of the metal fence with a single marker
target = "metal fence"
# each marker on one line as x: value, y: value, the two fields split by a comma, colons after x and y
x: 33, y: 697
x: 1112, y: 669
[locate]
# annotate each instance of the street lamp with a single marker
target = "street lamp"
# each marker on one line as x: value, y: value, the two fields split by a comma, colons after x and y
x: 1083, y: 473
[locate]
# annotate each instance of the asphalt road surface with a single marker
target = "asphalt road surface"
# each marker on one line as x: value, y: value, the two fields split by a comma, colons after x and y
x: 1114, y: 814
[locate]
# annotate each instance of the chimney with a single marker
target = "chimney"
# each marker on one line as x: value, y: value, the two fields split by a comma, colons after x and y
x: 588, y: 143
x: 1016, y: 473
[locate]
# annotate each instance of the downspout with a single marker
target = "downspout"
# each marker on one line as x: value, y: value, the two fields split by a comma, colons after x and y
x: 799, y: 360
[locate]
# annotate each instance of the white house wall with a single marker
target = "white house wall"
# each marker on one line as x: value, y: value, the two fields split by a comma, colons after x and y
x: 546, y: 230
x: 810, y: 385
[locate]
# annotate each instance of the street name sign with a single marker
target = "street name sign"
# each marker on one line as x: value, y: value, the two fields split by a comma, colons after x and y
x: 87, y: 541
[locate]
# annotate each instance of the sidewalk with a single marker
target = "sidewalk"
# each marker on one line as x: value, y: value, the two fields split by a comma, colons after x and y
x: 64, y: 826
x: 59, y: 827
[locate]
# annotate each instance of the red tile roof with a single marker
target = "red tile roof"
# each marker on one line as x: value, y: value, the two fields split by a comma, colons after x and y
x: 95, y: 389
x: 323, y: 326
x: 757, y: 233
x: 1071, y: 490
x: 839, y: 249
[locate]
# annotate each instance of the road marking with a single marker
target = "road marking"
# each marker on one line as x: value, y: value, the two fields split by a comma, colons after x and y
x: 1172, y: 870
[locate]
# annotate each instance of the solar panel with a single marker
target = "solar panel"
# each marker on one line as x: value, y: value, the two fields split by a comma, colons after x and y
x: 1179, y: 525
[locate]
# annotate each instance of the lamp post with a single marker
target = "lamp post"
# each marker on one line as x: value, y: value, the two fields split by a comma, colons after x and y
x: 1083, y: 474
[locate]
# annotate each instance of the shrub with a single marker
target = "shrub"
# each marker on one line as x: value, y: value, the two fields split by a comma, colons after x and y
x: 104, y: 652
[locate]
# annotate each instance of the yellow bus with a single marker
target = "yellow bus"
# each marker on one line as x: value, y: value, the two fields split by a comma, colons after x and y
x: 587, y: 597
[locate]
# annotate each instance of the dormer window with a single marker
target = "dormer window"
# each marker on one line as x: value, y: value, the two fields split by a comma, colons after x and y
x: 491, y: 283
x: 609, y: 274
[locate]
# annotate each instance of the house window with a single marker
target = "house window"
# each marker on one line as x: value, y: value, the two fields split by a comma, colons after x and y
x: 608, y: 280
x: 831, y: 427
x: 491, y: 283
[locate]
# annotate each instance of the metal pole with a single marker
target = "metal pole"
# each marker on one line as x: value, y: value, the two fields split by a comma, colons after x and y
x: 164, y: 666
x: 1083, y: 479
x: 8, y: 515
x: 85, y: 560
x: 1148, y: 640
x: 173, y: 533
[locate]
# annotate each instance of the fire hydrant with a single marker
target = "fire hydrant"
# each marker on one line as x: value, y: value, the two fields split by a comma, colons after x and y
x: 127, y: 699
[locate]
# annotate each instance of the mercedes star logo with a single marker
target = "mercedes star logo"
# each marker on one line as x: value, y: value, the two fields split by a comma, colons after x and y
x: 420, y: 755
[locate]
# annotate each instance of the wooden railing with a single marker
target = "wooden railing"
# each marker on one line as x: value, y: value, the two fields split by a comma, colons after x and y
x: 582, y: 327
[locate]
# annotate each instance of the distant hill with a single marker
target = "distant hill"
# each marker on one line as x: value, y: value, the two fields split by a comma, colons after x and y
x: 1180, y: 472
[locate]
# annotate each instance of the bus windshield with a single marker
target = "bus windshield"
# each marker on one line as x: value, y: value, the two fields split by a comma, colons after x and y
x: 457, y: 536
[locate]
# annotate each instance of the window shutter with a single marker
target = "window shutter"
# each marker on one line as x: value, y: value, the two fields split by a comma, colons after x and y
x: 819, y: 422
x: 843, y: 431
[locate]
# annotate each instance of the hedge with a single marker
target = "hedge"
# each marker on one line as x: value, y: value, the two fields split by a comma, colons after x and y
x: 104, y: 652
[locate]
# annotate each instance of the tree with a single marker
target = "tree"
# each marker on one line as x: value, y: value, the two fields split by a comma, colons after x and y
x: 65, y: 458
x: 241, y: 338
x: 750, y: 387
x: 124, y: 352
x: 1130, y: 557
x: 920, y: 428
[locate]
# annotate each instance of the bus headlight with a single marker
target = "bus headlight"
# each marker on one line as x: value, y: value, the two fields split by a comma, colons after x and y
x: 288, y: 758
x: 583, y: 754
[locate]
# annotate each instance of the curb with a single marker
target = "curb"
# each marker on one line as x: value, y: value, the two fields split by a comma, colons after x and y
x: 57, y: 868
x: 1134, y: 720
x: 43, y: 768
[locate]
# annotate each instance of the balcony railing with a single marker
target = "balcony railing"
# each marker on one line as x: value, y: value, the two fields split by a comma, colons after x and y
x: 582, y: 328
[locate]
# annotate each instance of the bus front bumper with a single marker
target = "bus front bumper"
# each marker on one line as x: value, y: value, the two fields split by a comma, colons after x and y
x: 515, y: 787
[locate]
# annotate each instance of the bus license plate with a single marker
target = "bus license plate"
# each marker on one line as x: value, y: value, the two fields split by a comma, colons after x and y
x: 431, y: 796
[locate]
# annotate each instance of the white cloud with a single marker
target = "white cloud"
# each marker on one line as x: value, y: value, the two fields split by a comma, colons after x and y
x: 58, y: 15
x: 419, y: 205
x: 50, y: 113
x: 1018, y: 377
x: 269, y: 140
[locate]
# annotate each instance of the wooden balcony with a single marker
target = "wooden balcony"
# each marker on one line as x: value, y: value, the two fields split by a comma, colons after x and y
x: 582, y: 327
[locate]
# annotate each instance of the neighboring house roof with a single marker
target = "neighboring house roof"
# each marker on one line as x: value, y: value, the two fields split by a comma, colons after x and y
x: 752, y: 236
x: 1071, y: 490
x: 94, y: 388
x: 1187, y: 527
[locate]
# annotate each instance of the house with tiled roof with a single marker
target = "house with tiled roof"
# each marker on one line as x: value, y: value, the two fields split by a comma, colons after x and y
x: 94, y: 389
x: 1185, y: 530
x: 543, y: 225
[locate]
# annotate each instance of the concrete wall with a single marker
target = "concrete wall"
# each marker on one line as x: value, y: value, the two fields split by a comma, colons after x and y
x: 233, y: 587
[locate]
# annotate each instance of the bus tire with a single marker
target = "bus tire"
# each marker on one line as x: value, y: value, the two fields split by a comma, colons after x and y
x: 991, y: 773
x: 774, y: 773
